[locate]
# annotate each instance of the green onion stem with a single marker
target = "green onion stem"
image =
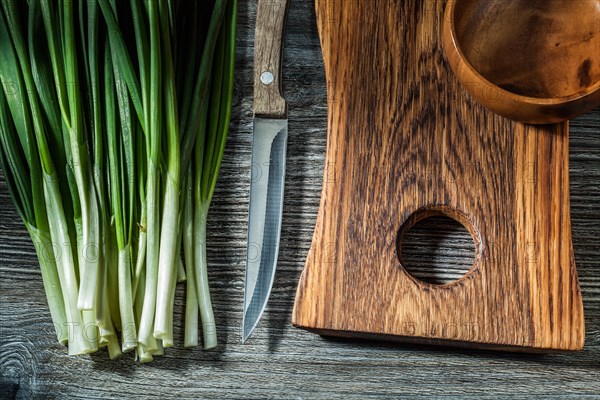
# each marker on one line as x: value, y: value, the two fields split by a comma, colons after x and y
x: 201, y: 276
x: 146, y: 328
x: 167, y: 268
x: 191, y: 302
x: 91, y: 241
x: 119, y: 209
x: 98, y: 156
x: 207, y: 163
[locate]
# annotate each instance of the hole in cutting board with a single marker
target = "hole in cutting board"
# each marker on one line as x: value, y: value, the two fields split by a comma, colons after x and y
x: 437, y: 250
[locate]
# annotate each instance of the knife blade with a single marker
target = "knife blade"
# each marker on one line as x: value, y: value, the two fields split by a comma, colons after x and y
x: 269, y: 145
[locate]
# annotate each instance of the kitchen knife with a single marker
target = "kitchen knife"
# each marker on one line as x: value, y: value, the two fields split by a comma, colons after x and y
x: 269, y: 145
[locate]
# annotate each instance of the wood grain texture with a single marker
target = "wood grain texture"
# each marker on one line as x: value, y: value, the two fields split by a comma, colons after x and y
x: 268, y: 49
x: 280, y: 361
x: 534, y: 61
x: 406, y: 143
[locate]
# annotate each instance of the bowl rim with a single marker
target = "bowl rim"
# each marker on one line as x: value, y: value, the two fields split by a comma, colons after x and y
x: 542, y: 101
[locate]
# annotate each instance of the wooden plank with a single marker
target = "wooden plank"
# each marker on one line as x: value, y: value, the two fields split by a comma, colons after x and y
x: 281, y: 361
x: 407, y: 143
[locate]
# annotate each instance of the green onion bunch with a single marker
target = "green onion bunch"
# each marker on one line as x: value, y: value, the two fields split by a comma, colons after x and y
x: 113, y: 122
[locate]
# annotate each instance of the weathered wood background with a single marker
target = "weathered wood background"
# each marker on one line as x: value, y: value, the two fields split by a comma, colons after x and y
x: 280, y: 361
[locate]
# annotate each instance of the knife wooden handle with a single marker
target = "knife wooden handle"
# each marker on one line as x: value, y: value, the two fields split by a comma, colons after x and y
x: 268, y: 49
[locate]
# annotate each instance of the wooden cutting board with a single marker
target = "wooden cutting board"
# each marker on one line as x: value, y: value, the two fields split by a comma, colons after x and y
x: 405, y: 142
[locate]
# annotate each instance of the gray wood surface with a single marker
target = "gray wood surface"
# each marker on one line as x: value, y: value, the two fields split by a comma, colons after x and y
x: 279, y: 361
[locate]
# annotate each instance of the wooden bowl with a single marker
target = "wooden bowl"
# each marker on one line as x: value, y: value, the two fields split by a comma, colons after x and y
x: 534, y: 61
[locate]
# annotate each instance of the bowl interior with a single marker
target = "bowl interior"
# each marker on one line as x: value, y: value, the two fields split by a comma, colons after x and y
x: 537, y: 48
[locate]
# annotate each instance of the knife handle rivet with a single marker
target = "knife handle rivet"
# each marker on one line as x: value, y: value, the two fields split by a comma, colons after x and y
x: 267, y: 77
